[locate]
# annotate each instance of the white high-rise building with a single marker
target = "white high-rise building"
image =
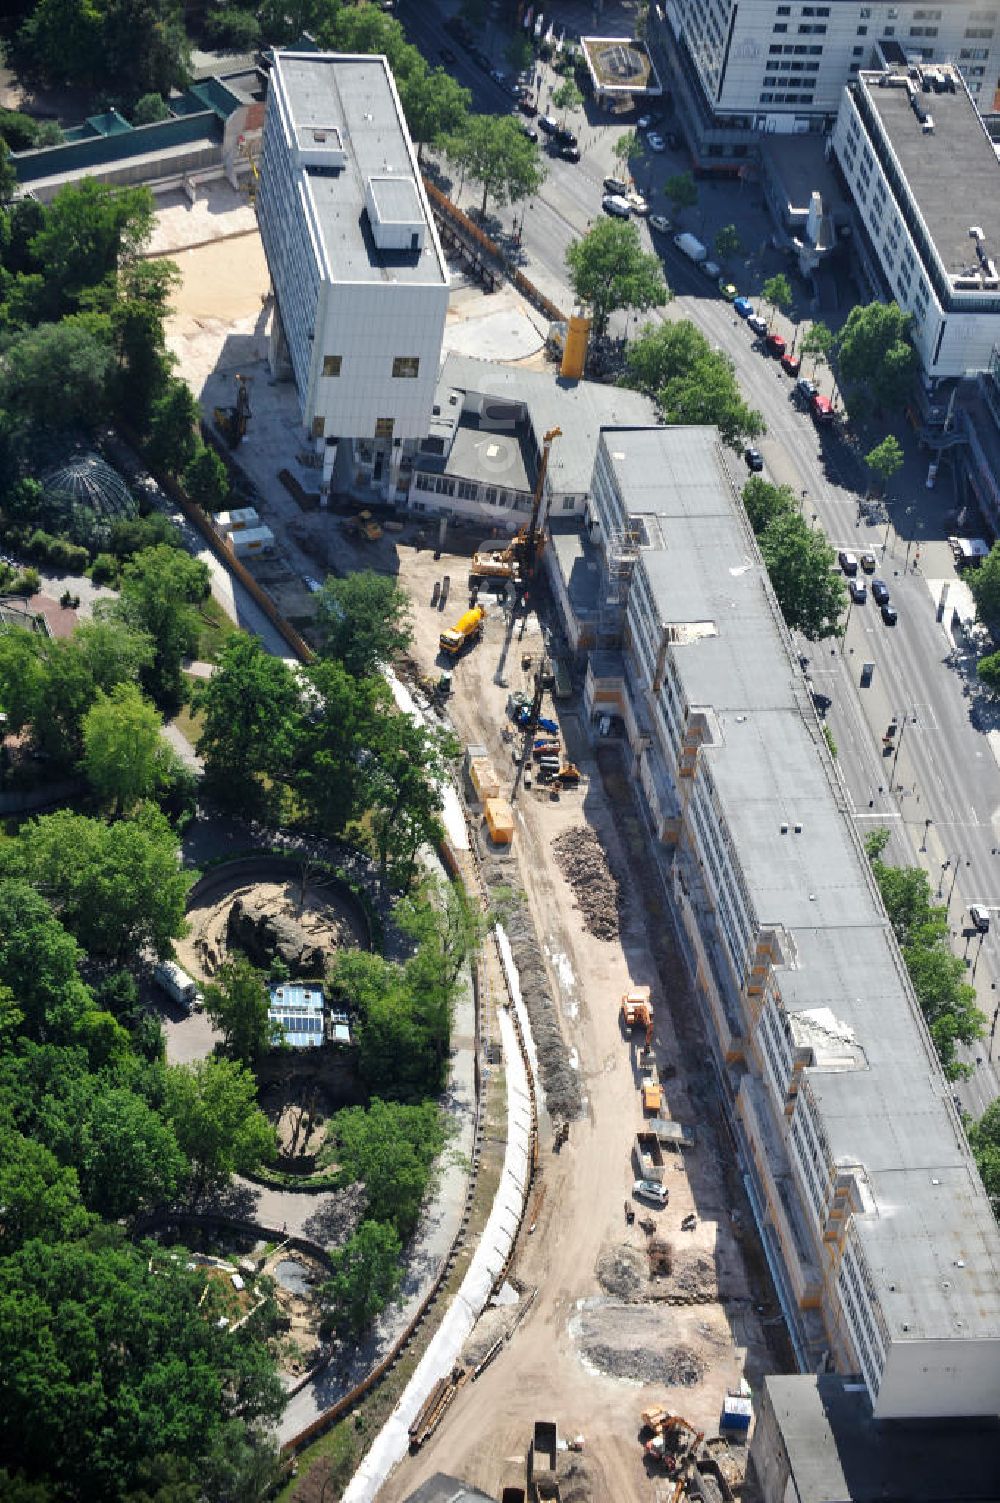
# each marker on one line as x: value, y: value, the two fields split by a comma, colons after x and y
x: 762, y: 66
x: 359, y: 278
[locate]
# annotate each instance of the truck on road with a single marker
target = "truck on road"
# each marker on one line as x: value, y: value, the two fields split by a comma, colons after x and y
x: 649, y: 1156
x: 468, y: 628
x: 691, y: 247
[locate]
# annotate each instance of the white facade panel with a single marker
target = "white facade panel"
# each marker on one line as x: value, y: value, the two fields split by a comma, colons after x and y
x: 940, y: 1379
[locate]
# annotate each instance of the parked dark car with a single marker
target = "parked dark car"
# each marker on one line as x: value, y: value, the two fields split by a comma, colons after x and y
x: 754, y: 459
x: 775, y: 345
x: 447, y: 56
x: 791, y: 364
x: 889, y: 614
x: 568, y: 153
x: 880, y: 590
x: 547, y: 125
x: 526, y: 130
x: 565, y: 137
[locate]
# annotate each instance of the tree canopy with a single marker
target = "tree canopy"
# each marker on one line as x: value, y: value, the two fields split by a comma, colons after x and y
x: 691, y: 382
x: 777, y: 291
x: 365, y: 1276
x: 984, y: 583
x: 124, y: 753
x: 237, y: 1003
x: 799, y: 561
x: 364, y: 620
x: 212, y: 1106
x: 876, y: 359
x: 493, y: 151
x: 609, y: 270
x: 946, y: 999
x: 728, y: 242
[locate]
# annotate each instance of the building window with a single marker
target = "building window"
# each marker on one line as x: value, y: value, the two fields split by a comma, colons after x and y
x: 406, y: 367
x: 332, y: 364
x: 862, y: 31
x: 889, y: 31
x: 568, y: 503
x: 783, y: 26
x: 384, y: 427
x: 319, y: 424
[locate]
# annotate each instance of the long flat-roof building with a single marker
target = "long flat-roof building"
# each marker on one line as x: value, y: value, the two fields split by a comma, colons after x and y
x: 876, y: 1226
x: 359, y: 278
x: 925, y: 179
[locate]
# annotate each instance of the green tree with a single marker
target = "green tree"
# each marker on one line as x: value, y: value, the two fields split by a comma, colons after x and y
x: 988, y: 669
x: 493, y: 151
x: 765, y: 502
x: 330, y: 771
x: 149, y: 110
x: 221, y: 1131
x: 56, y: 376
x: 728, y: 242
x: 627, y: 148
x: 89, y: 233
x: 159, y: 591
x: 40, y: 963
x: 567, y: 97
x: 984, y: 1140
x: 403, y: 793
x: 608, y: 269
x: 390, y: 1148
x: 127, y: 1158
x: 877, y: 362
x: 692, y: 383
x: 233, y: 28
x: 885, y: 459
x: 818, y: 341
x: 946, y: 999
x: 206, y: 479
x: 113, y: 1366
x: 800, y: 564
x: 40, y: 1197
x: 138, y: 315
x: 447, y: 926
x: 984, y: 583
x: 173, y: 427
x: 120, y: 889
x: 252, y: 705
x: 124, y: 754
x: 682, y: 190
x: 364, y: 620
x: 237, y: 1003
x: 365, y: 1276
x: 777, y: 292
x: 435, y: 105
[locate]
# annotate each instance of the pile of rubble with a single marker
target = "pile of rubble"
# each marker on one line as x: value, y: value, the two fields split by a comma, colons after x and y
x: 597, y: 890
x: 560, y: 1082
x: 620, y: 1272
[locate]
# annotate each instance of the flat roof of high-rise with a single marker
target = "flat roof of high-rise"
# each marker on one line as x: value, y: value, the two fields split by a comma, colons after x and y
x: 930, y: 1238
x: 947, y: 158
x: 350, y: 102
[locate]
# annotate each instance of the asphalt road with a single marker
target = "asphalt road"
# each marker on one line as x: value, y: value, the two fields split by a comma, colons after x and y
x: 945, y: 771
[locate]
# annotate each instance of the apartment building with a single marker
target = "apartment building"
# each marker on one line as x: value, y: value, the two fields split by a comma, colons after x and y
x: 881, y: 1240
x: 760, y: 66
x: 924, y: 176
x: 359, y: 278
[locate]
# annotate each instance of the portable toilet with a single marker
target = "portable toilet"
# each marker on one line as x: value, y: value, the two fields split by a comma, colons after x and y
x: 737, y: 1412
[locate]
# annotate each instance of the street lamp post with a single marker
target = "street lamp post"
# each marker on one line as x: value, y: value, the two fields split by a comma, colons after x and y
x: 954, y: 879
x: 944, y: 867
x: 927, y: 824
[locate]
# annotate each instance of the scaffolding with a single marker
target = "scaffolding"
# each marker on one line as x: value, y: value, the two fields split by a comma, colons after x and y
x: 621, y: 553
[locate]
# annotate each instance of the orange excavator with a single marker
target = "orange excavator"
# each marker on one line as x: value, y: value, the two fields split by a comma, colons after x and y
x: 637, y: 1011
x: 674, y: 1442
x: 518, y: 560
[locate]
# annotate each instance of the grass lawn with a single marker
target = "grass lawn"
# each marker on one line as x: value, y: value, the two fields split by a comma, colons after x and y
x: 214, y: 626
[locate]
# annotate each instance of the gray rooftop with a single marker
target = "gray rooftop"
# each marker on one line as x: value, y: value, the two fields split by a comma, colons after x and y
x: 580, y: 408
x: 953, y: 172
x: 838, y: 1454
x: 892, y: 1111
x: 355, y: 97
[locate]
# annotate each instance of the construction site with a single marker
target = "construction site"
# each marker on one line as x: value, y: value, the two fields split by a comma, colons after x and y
x: 638, y: 1285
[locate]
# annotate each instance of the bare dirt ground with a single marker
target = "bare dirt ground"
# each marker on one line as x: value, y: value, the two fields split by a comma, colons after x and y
x: 603, y: 1339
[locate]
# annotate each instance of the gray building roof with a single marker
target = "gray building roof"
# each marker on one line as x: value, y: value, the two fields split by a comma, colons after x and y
x: 838, y: 1454
x: 930, y: 1239
x: 354, y: 98
x: 580, y: 408
x: 952, y: 171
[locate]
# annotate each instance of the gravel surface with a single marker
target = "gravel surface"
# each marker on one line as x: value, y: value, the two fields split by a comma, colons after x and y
x: 621, y: 1271
x: 597, y: 890
x: 637, y: 1342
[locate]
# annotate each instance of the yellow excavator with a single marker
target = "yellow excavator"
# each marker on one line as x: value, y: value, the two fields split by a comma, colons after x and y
x: 518, y: 559
x: 232, y: 421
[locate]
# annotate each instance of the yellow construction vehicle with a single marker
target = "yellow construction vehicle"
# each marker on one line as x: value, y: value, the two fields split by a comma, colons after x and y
x: 637, y: 1011
x: 652, y: 1097
x: 365, y: 525
x: 468, y: 628
x: 518, y: 560
x: 232, y: 421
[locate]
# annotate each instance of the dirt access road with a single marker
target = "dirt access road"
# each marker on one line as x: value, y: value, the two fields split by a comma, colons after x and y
x: 592, y: 1354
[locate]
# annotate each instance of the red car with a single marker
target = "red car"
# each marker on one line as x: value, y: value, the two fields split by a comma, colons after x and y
x: 775, y: 345
x: 526, y: 103
x: 822, y: 409
x: 791, y: 364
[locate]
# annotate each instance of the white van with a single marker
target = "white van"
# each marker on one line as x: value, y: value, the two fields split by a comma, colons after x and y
x: 177, y: 984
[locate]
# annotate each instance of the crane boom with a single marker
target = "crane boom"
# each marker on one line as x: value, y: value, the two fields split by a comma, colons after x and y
x: 534, y: 537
